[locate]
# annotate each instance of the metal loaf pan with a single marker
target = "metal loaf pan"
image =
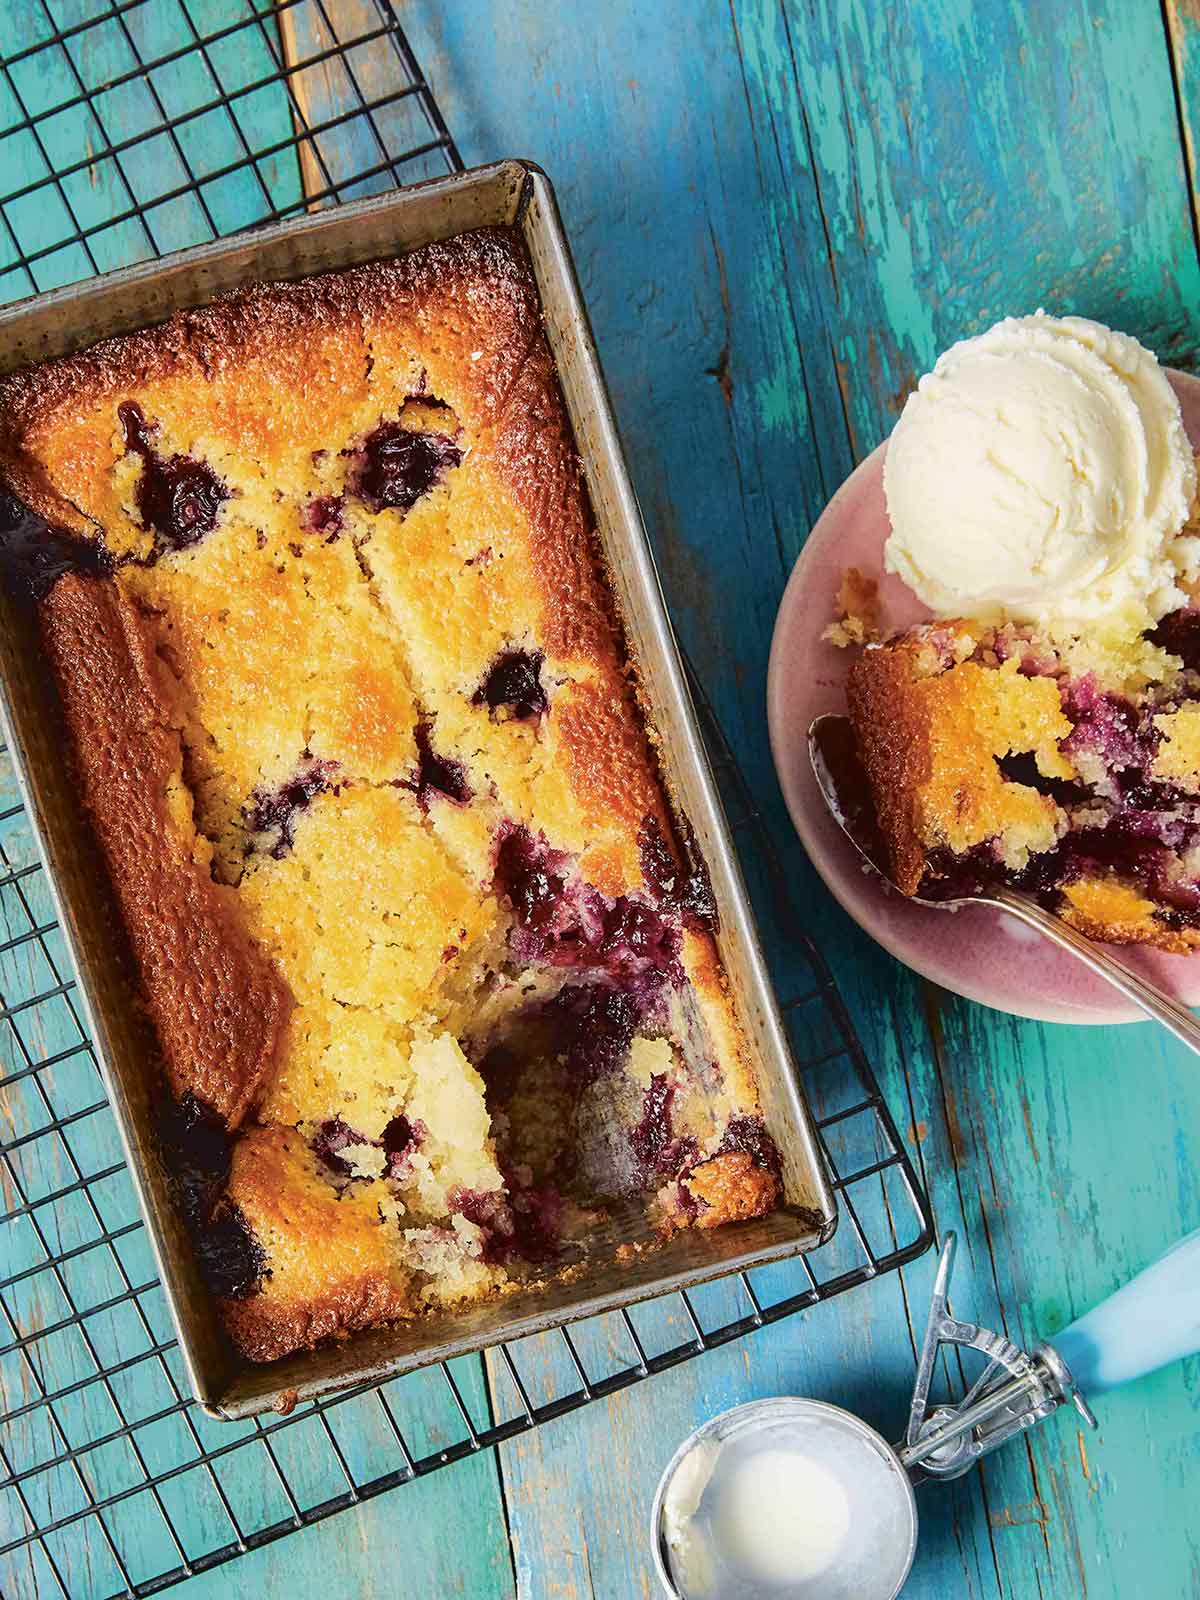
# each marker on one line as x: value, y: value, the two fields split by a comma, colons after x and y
x: 65, y: 320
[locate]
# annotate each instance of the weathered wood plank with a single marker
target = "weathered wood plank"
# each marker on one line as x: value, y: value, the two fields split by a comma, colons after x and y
x: 1183, y: 39
x: 345, y: 70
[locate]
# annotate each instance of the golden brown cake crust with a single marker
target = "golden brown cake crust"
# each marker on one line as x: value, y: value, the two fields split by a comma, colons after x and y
x: 732, y: 1189
x: 1115, y: 911
x: 33, y: 396
x: 931, y: 742
x: 535, y: 456
x: 477, y: 286
x: 335, y: 1277
x: 264, y: 1331
x: 217, y: 1004
x: 891, y: 724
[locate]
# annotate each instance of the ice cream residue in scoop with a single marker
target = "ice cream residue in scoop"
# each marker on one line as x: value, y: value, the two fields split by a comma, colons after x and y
x: 762, y: 1520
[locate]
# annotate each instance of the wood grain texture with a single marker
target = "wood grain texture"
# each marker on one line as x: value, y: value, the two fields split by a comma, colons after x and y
x: 351, y: 98
x: 1182, y: 18
x: 292, y: 46
x: 780, y: 213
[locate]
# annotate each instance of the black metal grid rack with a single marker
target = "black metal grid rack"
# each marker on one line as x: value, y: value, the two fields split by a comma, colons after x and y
x: 111, y: 1480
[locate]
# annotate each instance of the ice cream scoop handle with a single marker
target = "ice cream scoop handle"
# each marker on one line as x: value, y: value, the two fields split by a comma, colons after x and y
x: 1154, y: 1319
x: 1173, y: 1016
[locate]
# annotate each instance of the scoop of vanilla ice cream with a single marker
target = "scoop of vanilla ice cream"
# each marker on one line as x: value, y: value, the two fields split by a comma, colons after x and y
x: 1041, y: 473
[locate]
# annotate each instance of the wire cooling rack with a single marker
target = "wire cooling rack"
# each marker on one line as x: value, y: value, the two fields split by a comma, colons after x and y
x: 127, y: 130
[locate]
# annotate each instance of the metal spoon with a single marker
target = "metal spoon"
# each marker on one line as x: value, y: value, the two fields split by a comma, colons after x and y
x: 830, y: 744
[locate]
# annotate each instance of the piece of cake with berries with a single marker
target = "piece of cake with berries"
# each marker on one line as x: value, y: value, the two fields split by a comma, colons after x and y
x: 1042, y: 731
x: 430, y: 961
x: 998, y: 756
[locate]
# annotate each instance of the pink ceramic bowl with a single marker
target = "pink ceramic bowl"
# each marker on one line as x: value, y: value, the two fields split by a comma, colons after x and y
x: 979, y: 952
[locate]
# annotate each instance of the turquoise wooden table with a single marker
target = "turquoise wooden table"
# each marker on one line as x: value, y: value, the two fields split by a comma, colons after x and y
x: 781, y: 212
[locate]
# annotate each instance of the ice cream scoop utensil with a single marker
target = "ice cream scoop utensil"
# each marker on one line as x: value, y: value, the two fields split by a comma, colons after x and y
x: 1013, y: 1391
x: 828, y: 734
x: 1151, y: 1320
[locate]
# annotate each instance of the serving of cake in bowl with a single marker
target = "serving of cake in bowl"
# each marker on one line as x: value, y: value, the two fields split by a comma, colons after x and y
x: 428, y: 957
x: 1042, y: 729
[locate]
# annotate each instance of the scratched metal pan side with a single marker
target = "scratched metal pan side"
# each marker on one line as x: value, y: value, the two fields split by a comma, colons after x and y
x: 69, y: 319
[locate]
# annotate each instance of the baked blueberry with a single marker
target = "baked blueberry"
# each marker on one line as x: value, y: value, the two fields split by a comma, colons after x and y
x: 272, y: 813
x: 514, y: 680
x: 401, y: 1139
x: 178, y: 497
x: 689, y: 893
x: 330, y: 1139
x: 749, y: 1133
x: 436, y: 774
x: 1179, y: 634
x: 595, y: 1024
x: 34, y: 554
x: 652, y: 1136
x: 232, y: 1259
x: 530, y: 877
x: 324, y: 515
x: 394, y: 466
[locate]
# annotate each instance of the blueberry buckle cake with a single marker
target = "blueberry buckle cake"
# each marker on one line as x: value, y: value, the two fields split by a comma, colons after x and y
x: 430, y: 965
x: 1065, y: 766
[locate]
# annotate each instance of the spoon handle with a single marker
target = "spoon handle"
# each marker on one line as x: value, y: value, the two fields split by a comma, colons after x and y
x: 1173, y: 1016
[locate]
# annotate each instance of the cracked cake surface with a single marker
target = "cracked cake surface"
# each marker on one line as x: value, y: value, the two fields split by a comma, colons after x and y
x: 431, y: 975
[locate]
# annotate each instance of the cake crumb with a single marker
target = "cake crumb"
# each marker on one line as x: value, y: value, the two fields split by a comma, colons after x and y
x: 857, y: 620
x: 285, y: 1402
x: 732, y: 1188
x: 648, y: 1059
